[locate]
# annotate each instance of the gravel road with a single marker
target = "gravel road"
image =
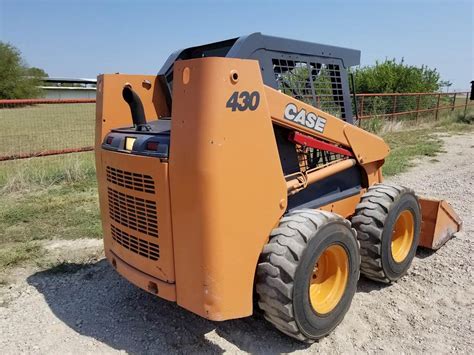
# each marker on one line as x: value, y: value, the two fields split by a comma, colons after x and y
x: 91, y: 309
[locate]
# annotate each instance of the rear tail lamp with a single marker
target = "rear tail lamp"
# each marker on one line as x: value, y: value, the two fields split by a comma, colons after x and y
x: 152, y: 146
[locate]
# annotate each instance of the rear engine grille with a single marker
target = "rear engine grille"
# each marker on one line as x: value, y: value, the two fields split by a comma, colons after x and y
x: 134, y: 244
x: 133, y: 212
x: 134, y: 181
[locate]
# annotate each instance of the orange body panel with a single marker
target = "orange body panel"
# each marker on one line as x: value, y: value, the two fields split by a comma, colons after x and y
x: 373, y: 172
x: 367, y: 147
x: 141, y: 279
x: 113, y: 112
x: 345, y: 207
x: 227, y: 186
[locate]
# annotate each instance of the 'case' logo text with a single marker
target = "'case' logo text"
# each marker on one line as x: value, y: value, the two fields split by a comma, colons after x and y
x: 310, y: 119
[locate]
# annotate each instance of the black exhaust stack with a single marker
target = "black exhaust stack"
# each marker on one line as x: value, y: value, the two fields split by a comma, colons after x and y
x: 136, y: 108
x: 472, y: 90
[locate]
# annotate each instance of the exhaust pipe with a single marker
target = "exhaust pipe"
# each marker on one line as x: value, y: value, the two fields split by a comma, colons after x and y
x: 136, y: 108
x: 472, y: 90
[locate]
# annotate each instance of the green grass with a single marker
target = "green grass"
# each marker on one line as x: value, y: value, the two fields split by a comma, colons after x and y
x: 44, y: 127
x: 46, y: 199
x: 30, y: 174
x: 456, y: 121
x: 408, y: 144
x: 13, y: 254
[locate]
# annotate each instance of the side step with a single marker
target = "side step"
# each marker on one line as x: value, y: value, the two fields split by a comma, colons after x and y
x: 439, y: 222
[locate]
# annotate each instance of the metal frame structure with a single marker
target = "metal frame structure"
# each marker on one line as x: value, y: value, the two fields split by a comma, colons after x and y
x: 276, y: 55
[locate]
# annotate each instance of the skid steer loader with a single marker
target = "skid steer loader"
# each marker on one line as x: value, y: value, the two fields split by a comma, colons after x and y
x: 237, y: 172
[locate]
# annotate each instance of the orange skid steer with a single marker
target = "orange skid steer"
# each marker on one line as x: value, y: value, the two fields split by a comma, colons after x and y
x: 237, y: 172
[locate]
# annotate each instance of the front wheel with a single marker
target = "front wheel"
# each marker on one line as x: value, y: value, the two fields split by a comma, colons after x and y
x: 388, y: 222
x: 308, y: 274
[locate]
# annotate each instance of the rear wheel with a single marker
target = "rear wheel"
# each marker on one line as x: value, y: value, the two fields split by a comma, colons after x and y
x: 308, y: 273
x: 388, y: 222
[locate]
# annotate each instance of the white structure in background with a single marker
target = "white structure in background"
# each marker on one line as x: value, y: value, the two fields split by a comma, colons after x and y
x: 69, y: 88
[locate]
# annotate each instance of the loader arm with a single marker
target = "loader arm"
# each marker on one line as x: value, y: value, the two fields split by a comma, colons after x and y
x: 299, y: 116
x: 439, y: 220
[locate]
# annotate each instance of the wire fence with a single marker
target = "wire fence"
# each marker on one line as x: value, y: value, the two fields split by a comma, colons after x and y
x: 409, y: 106
x: 33, y: 128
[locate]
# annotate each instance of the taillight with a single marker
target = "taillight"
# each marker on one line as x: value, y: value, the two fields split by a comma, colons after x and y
x: 152, y: 146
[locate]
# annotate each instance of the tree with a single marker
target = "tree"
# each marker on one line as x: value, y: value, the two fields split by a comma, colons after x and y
x: 17, y: 80
x: 37, y: 72
x: 445, y: 84
x: 391, y: 76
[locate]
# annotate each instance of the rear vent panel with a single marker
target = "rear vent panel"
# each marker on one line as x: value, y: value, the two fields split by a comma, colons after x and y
x: 136, y: 245
x: 133, y: 212
x: 134, y: 198
x: 129, y: 180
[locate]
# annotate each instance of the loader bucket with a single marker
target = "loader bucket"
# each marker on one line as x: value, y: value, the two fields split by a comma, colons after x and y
x: 439, y: 223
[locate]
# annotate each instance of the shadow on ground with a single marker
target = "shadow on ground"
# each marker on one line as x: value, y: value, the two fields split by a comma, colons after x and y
x: 96, y: 302
x: 424, y: 253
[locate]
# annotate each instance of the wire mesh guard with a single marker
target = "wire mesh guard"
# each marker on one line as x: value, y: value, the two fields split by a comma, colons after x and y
x: 317, y: 84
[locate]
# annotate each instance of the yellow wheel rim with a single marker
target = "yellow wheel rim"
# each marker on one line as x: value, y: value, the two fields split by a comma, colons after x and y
x: 329, y: 279
x: 402, y: 236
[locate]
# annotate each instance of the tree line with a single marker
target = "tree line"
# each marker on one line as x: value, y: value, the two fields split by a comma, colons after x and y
x: 391, y: 76
x: 17, y: 79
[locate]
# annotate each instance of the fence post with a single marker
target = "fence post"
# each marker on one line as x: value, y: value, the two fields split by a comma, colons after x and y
x: 361, y: 106
x: 454, y: 102
x: 437, y: 106
x: 417, y: 106
x: 394, y: 108
x: 465, y: 104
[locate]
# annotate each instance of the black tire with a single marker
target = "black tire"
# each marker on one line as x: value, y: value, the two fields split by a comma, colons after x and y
x: 374, y: 221
x: 287, y: 264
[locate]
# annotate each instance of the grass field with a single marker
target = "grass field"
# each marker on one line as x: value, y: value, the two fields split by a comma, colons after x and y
x: 408, y: 142
x: 49, y: 198
x: 45, y: 127
x: 55, y: 198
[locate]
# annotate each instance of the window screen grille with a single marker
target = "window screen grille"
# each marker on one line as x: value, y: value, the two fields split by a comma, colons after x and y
x: 317, y: 84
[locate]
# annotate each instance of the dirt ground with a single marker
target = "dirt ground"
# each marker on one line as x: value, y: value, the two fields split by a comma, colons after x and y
x: 92, y: 309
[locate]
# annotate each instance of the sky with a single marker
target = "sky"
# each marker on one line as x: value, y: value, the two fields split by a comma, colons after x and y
x: 82, y: 38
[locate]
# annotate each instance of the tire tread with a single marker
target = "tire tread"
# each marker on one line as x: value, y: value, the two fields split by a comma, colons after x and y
x: 369, y: 220
x: 279, y: 261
